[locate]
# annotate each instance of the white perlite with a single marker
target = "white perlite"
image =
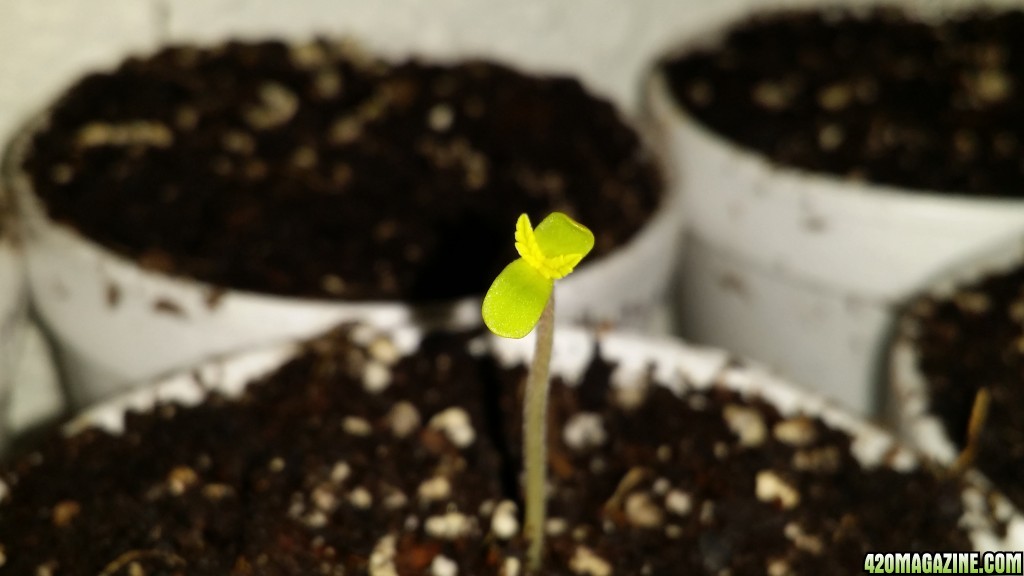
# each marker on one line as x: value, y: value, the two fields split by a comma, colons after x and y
x: 504, y: 523
x: 778, y: 567
x: 798, y: 432
x: 641, y: 511
x: 376, y: 377
x: 746, y: 423
x: 361, y: 498
x: 324, y: 499
x: 804, y: 541
x: 436, y: 488
x: 277, y: 106
x: 443, y: 566
x: 137, y: 133
x: 395, y: 499
x: 340, y: 472
x: 454, y: 423
x: 678, y: 502
x: 771, y: 487
x: 450, y: 526
x: 661, y: 486
x: 555, y: 526
x: 440, y: 117
x: 384, y: 351
x: 631, y: 397
x: 382, y: 559
x: 584, y: 561
x: 356, y: 426
x: 584, y: 431
x: 404, y: 419
x: 510, y: 567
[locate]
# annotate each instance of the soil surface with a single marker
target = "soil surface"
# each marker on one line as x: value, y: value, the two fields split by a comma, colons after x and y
x: 970, y: 340
x: 315, y: 170
x: 351, y: 460
x: 873, y: 96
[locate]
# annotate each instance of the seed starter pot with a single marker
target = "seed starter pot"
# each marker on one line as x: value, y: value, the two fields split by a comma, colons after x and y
x: 13, y: 308
x: 815, y: 196
x: 364, y: 452
x: 142, y: 259
x: 960, y: 334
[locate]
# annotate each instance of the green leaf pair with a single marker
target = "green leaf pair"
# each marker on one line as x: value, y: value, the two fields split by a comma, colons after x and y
x: 516, y: 299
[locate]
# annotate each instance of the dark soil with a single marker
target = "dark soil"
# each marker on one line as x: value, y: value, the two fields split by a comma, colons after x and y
x: 316, y: 171
x: 873, y: 96
x: 319, y: 469
x: 971, y: 340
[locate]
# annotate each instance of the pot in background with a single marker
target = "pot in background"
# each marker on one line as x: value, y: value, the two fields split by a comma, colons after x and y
x: 956, y: 307
x: 826, y: 257
x: 116, y: 322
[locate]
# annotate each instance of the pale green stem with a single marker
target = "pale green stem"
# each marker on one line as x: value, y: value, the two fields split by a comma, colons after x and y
x: 535, y: 437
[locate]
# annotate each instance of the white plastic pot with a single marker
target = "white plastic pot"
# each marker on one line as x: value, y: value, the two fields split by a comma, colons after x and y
x: 13, y: 306
x: 801, y: 270
x: 907, y: 401
x: 675, y: 364
x: 157, y: 323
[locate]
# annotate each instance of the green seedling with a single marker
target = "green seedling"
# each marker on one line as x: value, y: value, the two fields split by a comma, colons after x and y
x: 521, y: 298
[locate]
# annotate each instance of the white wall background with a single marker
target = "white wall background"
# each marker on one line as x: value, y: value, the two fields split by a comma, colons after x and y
x: 46, y: 44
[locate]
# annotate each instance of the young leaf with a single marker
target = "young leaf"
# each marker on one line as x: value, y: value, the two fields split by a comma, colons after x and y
x: 516, y: 300
x: 559, y: 235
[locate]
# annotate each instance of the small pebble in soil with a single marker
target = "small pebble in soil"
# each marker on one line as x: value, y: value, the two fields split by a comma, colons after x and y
x: 449, y: 526
x: 585, y: 562
x: 455, y: 424
x: 356, y: 426
x: 504, y: 523
x: 641, y: 511
x: 802, y: 540
x: 556, y: 526
x: 340, y: 472
x: 361, y: 498
x: 443, y: 566
x: 511, y: 567
x: 678, y: 502
x: 436, y: 488
x: 382, y: 559
x: 404, y: 419
x: 395, y: 500
x: 376, y: 377
x: 797, y: 432
x: 770, y: 487
x: 746, y: 423
x: 584, y: 431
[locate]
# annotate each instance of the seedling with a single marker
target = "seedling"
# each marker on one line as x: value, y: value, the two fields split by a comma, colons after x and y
x: 521, y: 298
x: 975, y: 424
